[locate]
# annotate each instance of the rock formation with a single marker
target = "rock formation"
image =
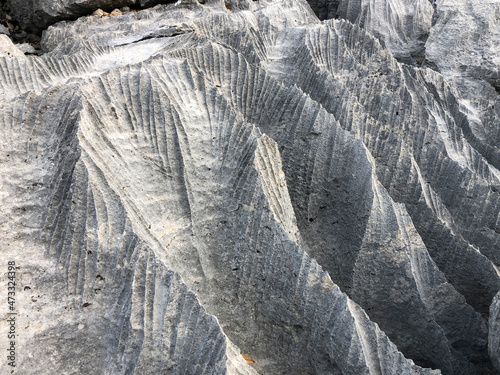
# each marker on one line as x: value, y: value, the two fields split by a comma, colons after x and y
x: 194, y: 182
x: 401, y: 25
x: 38, y: 14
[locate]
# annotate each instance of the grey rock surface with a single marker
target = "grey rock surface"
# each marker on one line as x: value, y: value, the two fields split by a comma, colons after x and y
x: 38, y: 14
x: 463, y: 46
x: 464, y: 39
x: 494, y: 329
x: 4, y: 30
x: 25, y: 48
x: 193, y: 182
x: 403, y: 26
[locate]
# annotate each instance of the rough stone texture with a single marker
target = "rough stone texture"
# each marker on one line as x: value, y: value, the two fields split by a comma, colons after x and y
x: 195, y: 181
x: 4, y: 30
x: 8, y: 49
x: 402, y: 25
x: 463, y: 46
x: 38, y: 14
x: 494, y: 329
x: 465, y: 37
x: 95, y: 298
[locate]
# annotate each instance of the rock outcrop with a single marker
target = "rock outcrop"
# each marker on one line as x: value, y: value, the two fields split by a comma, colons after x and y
x: 403, y: 26
x: 463, y: 46
x: 464, y: 39
x: 38, y: 14
x: 192, y: 182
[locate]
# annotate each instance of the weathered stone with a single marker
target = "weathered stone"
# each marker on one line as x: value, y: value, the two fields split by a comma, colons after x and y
x: 402, y: 25
x: 4, y: 30
x: 38, y: 14
x: 464, y: 39
x: 463, y: 46
x: 192, y: 182
x: 494, y: 335
x: 8, y: 49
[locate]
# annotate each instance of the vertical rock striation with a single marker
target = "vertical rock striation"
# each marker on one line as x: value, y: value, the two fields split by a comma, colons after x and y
x: 193, y: 182
x: 402, y: 25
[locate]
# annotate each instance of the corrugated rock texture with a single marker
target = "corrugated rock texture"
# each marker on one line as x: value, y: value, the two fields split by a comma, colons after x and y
x: 403, y: 26
x: 192, y: 182
x: 463, y: 46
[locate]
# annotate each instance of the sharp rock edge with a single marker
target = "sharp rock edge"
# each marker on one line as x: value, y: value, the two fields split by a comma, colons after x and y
x: 36, y: 15
x: 190, y: 182
x: 100, y: 301
x: 462, y: 45
x: 402, y: 25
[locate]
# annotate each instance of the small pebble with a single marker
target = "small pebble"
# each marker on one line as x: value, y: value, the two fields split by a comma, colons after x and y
x: 116, y: 12
x: 99, y: 12
x: 4, y: 30
x: 125, y: 9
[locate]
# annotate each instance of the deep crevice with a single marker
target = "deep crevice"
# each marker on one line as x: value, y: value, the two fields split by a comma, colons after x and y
x: 168, y: 33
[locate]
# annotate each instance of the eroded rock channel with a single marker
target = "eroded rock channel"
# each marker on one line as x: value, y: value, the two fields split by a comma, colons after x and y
x: 239, y: 187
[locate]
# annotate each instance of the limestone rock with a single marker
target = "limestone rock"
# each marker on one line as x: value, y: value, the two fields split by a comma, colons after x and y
x: 465, y: 38
x: 494, y: 327
x: 402, y: 25
x: 4, y: 30
x: 463, y: 46
x: 9, y: 49
x: 38, y: 14
x: 193, y: 182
